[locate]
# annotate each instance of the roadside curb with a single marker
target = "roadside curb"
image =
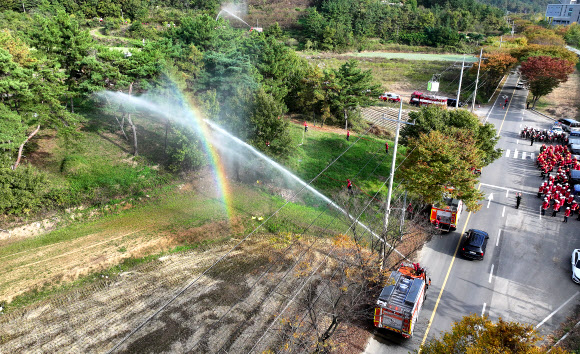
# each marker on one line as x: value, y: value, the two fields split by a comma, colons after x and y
x: 542, y: 114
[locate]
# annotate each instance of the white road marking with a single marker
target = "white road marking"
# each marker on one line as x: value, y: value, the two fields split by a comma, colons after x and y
x: 503, y: 212
x: 497, y: 240
x: 517, y: 141
x: 489, y: 199
x: 491, y: 273
x: 507, y: 193
x: 515, y: 153
x: 507, y: 153
x: 483, y: 310
x: 523, y: 155
x: 540, y: 213
x: 504, y: 188
x: 556, y: 310
x: 531, y: 155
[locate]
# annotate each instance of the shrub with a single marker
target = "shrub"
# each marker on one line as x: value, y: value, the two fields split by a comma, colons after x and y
x: 21, y: 190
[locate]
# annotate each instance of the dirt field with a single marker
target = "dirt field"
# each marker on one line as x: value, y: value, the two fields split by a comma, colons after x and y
x: 233, y: 307
x: 564, y: 101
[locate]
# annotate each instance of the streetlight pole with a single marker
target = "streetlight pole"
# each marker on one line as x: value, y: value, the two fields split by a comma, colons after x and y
x: 460, y: 79
x: 476, y: 80
x: 391, y: 178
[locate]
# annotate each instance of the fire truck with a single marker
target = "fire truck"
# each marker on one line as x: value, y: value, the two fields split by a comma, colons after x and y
x: 401, y: 300
x: 445, y: 216
x: 421, y: 99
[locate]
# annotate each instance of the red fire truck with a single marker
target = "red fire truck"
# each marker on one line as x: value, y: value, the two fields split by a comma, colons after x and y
x: 446, y: 216
x: 421, y: 99
x: 401, y: 300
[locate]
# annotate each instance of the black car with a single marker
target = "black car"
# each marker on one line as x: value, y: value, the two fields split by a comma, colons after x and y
x: 452, y: 101
x: 474, y: 245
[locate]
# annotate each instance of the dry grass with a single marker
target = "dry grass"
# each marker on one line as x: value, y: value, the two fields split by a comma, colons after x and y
x: 564, y: 101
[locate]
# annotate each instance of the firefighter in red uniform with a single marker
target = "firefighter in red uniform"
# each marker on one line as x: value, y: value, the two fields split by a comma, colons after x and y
x: 556, y: 207
x: 387, y: 148
x: 566, y: 214
x: 545, y: 206
x: 349, y: 185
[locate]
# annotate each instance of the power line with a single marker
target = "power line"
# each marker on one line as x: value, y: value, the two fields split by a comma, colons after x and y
x: 194, y: 281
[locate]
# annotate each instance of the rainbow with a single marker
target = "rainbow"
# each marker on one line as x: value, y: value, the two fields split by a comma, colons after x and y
x: 187, y: 114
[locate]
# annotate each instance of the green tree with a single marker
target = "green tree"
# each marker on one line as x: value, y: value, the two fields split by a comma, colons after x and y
x: 441, y: 163
x: 476, y: 334
x: 545, y: 74
x: 349, y: 87
x: 442, y: 120
x: 270, y: 131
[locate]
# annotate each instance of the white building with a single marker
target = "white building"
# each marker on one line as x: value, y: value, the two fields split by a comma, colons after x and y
x: 564, y: 13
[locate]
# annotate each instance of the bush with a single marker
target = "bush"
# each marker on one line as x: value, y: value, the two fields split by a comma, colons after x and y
x: 21, y: 190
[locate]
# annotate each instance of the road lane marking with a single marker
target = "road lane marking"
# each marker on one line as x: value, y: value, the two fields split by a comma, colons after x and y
x: 556, y: 310
x: 517, y: 141
x: 507, y: 193
x: 491, y: 273
x: 531, y: 155
x: 540, y: 213
x: 483, y: 310
x: 489, y: 199
x: 507, y: 153
x: 503, y: 212
x: 504, y: 188
x: 506, y: 110
x: 515, y: 153
x: 523, y: 155
x: 446, y: 278
x: 498, y: 235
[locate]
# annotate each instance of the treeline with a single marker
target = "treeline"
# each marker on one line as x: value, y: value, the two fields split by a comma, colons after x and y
x: 457, y: 24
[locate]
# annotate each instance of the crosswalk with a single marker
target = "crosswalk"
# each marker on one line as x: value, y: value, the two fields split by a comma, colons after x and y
x: 520, y: 154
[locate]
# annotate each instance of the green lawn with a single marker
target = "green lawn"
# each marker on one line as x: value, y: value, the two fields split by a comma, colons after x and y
x: 365, y: 163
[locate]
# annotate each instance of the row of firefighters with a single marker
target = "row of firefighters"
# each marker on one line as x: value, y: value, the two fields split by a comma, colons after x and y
x: 543, y: 136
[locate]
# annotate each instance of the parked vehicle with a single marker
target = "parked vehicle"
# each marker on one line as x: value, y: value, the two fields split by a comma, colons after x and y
x: 391, y: 97
x: 452, y: 101
x: 569, y: 124
x: 446, y: 216
x: 576, y: 266
x: 474, y: 244
x: 422, y: 99
x: 400, y: 302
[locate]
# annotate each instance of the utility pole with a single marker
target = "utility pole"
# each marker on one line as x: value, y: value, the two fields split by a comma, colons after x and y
x: 476, y: 80
x: 393, y: 165
x: 460, y: 79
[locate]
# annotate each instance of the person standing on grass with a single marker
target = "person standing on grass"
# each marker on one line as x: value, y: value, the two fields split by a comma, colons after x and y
x: 348, y: 135
x: 349, y: 185
x: 387, y: 148
x: 305, y: 126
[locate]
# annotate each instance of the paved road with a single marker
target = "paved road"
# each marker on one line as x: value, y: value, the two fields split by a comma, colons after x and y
x: 526, y: 274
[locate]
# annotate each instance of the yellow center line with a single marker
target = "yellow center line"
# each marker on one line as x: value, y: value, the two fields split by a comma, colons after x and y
x: 506, y: 111
x: 446, y: 278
